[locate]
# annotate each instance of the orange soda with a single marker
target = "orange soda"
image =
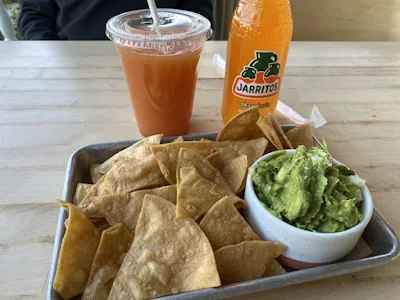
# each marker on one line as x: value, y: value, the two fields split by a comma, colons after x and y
x: 258, y: 44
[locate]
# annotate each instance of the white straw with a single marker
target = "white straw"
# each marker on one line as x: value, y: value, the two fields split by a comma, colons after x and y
x: 154, y: 13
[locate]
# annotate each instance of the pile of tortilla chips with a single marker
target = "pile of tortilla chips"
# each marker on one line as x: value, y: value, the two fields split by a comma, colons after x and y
x: 165, y: 218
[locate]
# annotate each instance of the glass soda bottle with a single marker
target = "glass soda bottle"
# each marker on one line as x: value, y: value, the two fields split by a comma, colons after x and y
x: 259, y: 37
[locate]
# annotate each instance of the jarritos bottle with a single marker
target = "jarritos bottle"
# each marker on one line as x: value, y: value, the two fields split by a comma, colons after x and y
x: 259, y: 38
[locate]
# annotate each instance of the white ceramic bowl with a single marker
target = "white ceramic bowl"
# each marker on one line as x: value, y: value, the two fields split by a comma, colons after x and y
x: 304, y: 248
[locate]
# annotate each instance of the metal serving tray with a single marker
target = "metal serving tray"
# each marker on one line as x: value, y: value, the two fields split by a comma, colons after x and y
x: 378, y: 235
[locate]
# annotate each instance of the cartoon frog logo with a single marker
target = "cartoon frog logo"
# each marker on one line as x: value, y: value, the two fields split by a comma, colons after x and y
x: 260, y: 78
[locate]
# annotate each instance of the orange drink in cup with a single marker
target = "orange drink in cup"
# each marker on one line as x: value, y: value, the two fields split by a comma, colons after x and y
x: 160, y: 65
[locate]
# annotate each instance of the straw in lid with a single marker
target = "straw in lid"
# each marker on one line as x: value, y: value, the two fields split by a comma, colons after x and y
x: 135, y: 29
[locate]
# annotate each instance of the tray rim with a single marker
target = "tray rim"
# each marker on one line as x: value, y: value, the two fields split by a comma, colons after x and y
x: 241, y: 288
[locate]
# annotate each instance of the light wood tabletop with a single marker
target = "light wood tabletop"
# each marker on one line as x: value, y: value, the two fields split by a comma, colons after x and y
x: 58, y: 96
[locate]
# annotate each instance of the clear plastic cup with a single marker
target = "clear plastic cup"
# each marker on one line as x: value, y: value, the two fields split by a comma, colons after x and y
x: 160, y: 65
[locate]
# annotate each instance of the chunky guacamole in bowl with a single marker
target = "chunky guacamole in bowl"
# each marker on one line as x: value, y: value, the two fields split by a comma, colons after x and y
x: 309, y: 190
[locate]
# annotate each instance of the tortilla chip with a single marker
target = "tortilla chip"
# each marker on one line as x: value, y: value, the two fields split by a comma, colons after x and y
x: 284, y: 140
x: 167, y: 156
x: 114, y: 244
x: 198, y: 219
x: 273, y: 268
x: 133, y: 174
x: 81, y: 191
x: 234, y: 170
x: 101, y: 284
x: 253, y: 149
x: 269, y: 131
x: 196, y: 195
x: 301, y: 135
x: 242, y: 127
x: 270, y: 148
x: 167, y: 192
x: 218, y: 159
x: 86, y: 205
x: 66, y: 223
x: 274, y: 133
x: 101, y: 224
x: 94, y: 174
x: 125, y: 208
x: 179, y: 139
x: 167, y: 256
x: 189, y: 158
x: 77, y: 252
x: 137, y: 150
x: 246, y: 261
x: 265, y: 126
x: 119, y: 209
x: 224, y: 225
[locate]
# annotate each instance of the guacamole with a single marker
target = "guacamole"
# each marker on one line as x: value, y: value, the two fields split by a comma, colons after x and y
x: 309, y: 191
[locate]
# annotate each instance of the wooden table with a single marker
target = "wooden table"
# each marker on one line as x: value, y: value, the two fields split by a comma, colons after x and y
x: 58, y: 96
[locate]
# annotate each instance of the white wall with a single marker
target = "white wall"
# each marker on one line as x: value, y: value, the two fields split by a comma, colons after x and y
x: 344, y: 20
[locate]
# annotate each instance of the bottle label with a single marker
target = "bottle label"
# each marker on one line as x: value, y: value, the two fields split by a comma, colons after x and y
x: 260, y: 78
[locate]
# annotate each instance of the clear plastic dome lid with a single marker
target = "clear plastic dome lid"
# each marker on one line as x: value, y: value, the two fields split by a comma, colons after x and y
x: 135, y: 28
